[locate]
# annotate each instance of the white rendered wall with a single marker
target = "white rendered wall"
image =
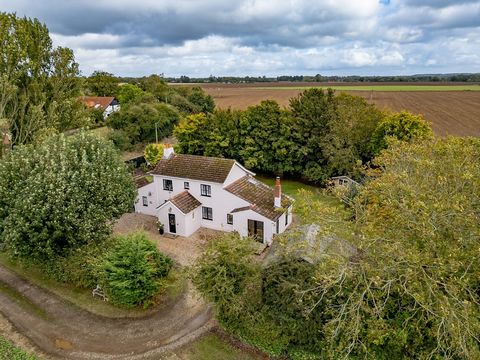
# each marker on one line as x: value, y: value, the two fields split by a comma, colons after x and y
x: 149, y: 192
x: 179, y: 219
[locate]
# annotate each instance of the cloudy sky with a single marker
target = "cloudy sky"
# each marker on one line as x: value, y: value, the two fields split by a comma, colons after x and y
x: 263, y: 37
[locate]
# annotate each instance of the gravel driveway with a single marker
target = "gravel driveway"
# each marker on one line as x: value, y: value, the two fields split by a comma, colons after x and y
x: 181, y: 249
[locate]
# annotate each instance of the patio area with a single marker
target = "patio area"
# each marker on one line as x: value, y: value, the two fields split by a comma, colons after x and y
x: 183, y: 250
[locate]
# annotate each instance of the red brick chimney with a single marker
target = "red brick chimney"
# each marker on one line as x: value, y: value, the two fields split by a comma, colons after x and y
x: 278, y: 193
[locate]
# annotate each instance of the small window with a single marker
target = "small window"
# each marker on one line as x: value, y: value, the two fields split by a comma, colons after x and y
x: 186, y: 185
x: 145, y: 201
x: 286, y: 217
x: 167, y: 185
x: 207, y: 213
x: 278, y: 226
x: 230, y: 219
x: 205, y: 190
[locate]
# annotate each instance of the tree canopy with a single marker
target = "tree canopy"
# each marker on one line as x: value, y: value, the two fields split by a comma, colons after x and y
x: 102, y: 83
x: 61, y: 194
x: 39, y: 84
x: 409, y: 287
x: 320, y: 135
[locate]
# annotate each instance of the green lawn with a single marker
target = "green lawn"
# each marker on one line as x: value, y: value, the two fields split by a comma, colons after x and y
x: 102, y: 132
x: 11, y: 352
x: 291, y: 187
x: 212, y: 347
x: 379, y: 87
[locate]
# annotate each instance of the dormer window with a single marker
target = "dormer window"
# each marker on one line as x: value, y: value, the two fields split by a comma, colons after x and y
x: 167, y: 185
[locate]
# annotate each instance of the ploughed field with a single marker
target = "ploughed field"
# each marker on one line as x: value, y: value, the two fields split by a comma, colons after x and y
x: 453, y: 109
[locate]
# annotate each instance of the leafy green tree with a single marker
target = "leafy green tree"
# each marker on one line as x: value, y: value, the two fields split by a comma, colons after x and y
x: 198, y: 97
x: 224, y: 272
x: 413, y: 292
x: 128, y: 93
x: 102, y: 83
x: 402, y: 126
x: 61, y: 194
x: 40, y: 84
x: 156, y: 86
x: 139, y: 121
x: 269, y: 144
x: 314, y: 110
x: 133, y: 270
x: 153, y: 153
x: 193, y: 134
x: 346, y: 145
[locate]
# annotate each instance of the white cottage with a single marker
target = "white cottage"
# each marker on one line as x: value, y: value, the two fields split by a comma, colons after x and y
x: 189, y: 192
x: 108, y: 104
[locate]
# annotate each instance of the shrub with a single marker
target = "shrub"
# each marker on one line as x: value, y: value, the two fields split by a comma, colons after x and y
x: 153, y: 153
x: 132, y: 270
x: 120, y: 139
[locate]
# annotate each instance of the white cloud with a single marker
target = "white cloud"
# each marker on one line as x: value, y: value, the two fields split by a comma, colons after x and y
x: 257, y: 37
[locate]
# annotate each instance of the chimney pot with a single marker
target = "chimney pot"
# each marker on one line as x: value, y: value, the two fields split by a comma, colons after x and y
x: 278, y: 193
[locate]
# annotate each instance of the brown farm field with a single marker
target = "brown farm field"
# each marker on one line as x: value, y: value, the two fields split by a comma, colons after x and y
x: 450, y: 112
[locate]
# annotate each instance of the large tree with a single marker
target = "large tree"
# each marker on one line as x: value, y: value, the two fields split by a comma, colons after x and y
x: 39, y: 84
x: 61, y: 194
x: 102, y: 83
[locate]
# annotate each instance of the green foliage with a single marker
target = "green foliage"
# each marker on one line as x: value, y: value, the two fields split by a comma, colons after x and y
x: 102, y: 83
x: 138, y: 121
x: 11, y: 352
x: 133, y: 269
x: 225, y: 268
x: 39, y: 84
x: 198, y: 97
x: 153, y: 153
x: 128, y: 93
x: 120, y: 139
x: 410, y: 291
x: 61, y: 194
x: 319, y: 136
x: 269, y: 144
x: 402, y: 126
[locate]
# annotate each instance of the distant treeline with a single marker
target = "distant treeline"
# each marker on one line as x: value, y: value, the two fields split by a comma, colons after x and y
x: 320, y: 78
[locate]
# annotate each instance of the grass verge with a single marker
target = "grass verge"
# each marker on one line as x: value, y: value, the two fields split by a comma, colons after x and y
x: 212, y: 347
x: 174, y: 284
x: 11, y: 352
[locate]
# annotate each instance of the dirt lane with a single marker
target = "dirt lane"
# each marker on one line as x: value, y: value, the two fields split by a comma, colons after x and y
x: 66, y: 331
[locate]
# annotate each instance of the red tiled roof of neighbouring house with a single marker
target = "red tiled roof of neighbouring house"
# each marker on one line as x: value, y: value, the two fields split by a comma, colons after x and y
x: 185, y: 202
x: 259, y: 195
x: 195, y: 167
x: 97, y: 101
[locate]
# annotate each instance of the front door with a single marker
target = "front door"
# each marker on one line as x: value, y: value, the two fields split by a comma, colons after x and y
x: 255, y: 230
x: 172, y: 225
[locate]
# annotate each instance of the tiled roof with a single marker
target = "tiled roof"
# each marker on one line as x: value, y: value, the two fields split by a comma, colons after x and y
x: 185, y: 202
x: 195, y: 167
x: 141, y: 182
x: 102, y: 101
x: 259, y: 195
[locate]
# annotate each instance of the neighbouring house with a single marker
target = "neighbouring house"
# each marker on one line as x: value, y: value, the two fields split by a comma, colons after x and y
x: 344, y: 181
x: 106, y: 103
x: 190, y: 191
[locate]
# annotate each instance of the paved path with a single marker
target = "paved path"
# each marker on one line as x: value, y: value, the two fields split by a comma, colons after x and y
x: 70, y: 332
